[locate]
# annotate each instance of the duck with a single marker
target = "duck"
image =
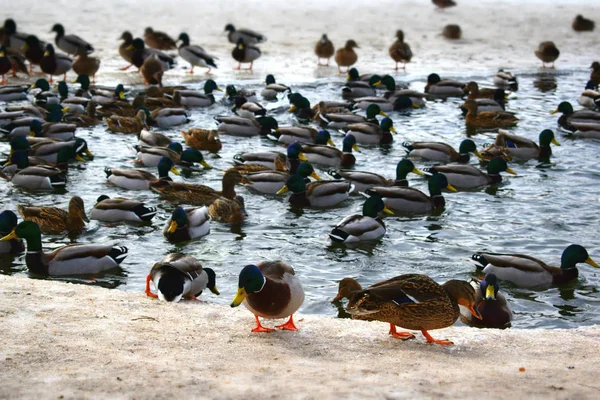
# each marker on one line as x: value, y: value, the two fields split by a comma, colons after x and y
x: 547, y: 52
x: 393, y: 92
x: 518, y: 148
x: 247, y: 109
x: 202, y: 139
x: 410, y: 200
x: 442, y: 152
x: 355, y: 89
x: 595, y: 74
x: 139, y: 179
x: 70, y: 44
x: 273, y: 89
x: 8, y: 222
x: 126, y: 49
x: 490, y: 303
x: 367, y: 226
x: 442, y: 4
x: 74, y: 259
x: 39, y: 177
x: 195, y: 55
x: 239, y: 126
x: 121, y: 209
x: 228, y: 211
x: 54, y: 128
x: 324, y: 50
x: 140, y: 53
x: 153, y: 139
x: 14, y: 40
x: 526, y: 271
x: 186, y: 224
x: 363, y: 180
x: 245, y: 53
x: 272, y: 181
x: 465, y: 176
x: 498, y: 103
x: 583, y: 120
x: 290, y: 134
x: 179, y: 276
x: 396, y: 103
x: 473, y: 91
x: 193, y: 98
x: 340, y: 121
x: 452, y: 32
x: 158, y: 40
x: 152, y: 70
x: 400, y: 51
x: 118, y: 124
x: 301, y: 108
x: 248, y: 36
x: 55, y: 64
x: 439, y: 88
x: 411, y: 301
x: 367, y: 133
x: 272, y: 290
x: 168, y: 117
x: 270, y: 159
x: 346, y: 57
x: 5, y: 64
x: 86, y: 65
x: 582, y: 24
x: 322, y: 154
x: 505, y: 79
x: 13, y: 93
x: 488, y: 119
x: 196, y: 194
x: 280, y: 164
x: 100, y: 96
x: 590, y: 97
x: 49, y: 149
x: 55, y: 221
x: 231, y: 93
x: 316, y: 194
x: 150, y: 156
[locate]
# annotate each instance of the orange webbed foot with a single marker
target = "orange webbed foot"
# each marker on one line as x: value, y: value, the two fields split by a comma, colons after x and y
x: 432, y: 340
x: 400, y: 335
x: 289, y: 325
x: 125, y: 68
x: 148, y: 291
x: 259, y: 328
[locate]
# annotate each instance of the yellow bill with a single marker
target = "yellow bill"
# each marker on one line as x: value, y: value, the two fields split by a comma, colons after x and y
x: 88, y: 153
x: 175, y: 171
x: 592, y: 262
x: 315, y: 175
x: 172, y: 227
x: 10, y: 236
x: 382, y: 114
x: 122, y: 95
x: 302, y: 157
x: 417, y: 171
x: 387, y: 210
x: 415, y: 105
x: 377, y: 83
x: 205, y: 164
x: 477, y: 153
x: 355, y: 147
x: 292, y: 108
x: 554, y: 141
x: 283, y: 190
x: 214, y: 290
x: 79, y: 158
x: 554, y: 112
x: 392, y: 129
x: 490, y: 293
x: 451, y: 188
x: 330, y: 142
x: 219, y: 89
x: 510, y: 171
x: 239, y: 297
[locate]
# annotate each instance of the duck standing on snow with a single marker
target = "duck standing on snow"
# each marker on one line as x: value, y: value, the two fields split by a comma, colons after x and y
x: 195, y: 55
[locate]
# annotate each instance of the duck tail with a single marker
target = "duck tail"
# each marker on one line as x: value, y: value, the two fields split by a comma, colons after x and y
x: 145, y: 213
x: 211, y: 63
x: 333, y: 172
x: 108, y: 171
x: 6, y: 129
x: 409, y: 147
x: 338, y: 235
x: 58, y: 181
x: 239, y: 159
x: 118, y: 253
x: 479, y: 258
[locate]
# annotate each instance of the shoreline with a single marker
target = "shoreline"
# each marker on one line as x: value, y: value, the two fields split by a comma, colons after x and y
x: 62, y: 339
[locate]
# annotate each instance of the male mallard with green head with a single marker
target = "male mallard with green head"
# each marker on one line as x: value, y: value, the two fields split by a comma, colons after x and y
x: 465, y: 176
x: 186, y: 224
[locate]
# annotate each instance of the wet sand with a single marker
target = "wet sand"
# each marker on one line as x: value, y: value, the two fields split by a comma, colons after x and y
x: 61, y: 339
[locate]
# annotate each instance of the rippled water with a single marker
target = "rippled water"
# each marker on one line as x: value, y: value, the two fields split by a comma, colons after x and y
x: 539, y: 212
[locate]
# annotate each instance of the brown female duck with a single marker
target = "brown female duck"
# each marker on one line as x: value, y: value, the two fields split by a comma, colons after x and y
x: 488, y: 119
x: 324, y: 50
x: 202, y: 139
x: 53, y: 220
x: 400, y: 51
x: 345, y: 57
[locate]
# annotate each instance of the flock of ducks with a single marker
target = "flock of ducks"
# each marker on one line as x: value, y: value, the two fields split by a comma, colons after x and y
x: 42, y: 131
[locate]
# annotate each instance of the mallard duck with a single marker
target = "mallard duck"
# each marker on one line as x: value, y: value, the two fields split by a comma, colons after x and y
x: 443, y: 88
x: 583, y: 120
x: 228, y: 211
x: 103, y: 97
x: 139, y: 179
x: 53, y: 220
x: 590, y: 97
x: 193, y: 98
x: 231, y: 93
x: 393, y: 92
x: 152, y: 70
x: 187, y: 224
x: 411, y: 301
x: 316, y: 194
x: 247, y: 35
x: 321, y: 153
x: 488, y: 119
x: 168, y: 117
x: 195, y: 55
x: 595, y: 74
x: 120, y: 209
x: 14, y: 40
x: 280, y: 164
x: 345, y: 57
x: 153, y: 139
x: 341, y: 121
x: 74, y: 259
x: 49, y: 149
x: 474, y: 92
x: 410, y: 200
x: 518, y: 148
x: 356, y: 89
x: 400, y: 51
x: 490, y: 303
x: 86, y: 65
x: 582, y: 24
x: 202, y: 139
x: 301, y: 108
x: 126, y: 49
x: 54, y: 129
x: 239, y: 126
x: 396, y: 103
x: 178, y: 276
x: 505, y: 79
x: 444, y: 3
x: 159, y: 40
x: 70, y: 44
x: 498, y: 103
x: 118, y: 124
x: 55, y: 64
x: 464, y: 176
x: 291, y: 134
x: 547, y: 52
x: 140, y: 53
x: 273, y: 89
x: 324, y: 49
x: 527, y: 271
x: 270, y: 289
x: 269, y: 159
x: 150, y: 156
x: 40, y: 177
x: 452, y: 32
x: 8, y: 222
x: 436, y: 151
x: 367, y: 226
x: 365, y: 180
x: 246, y: 109
x: 13, y: 93
x: 271, y: 181
x: 367, y: 133
x: 5, y: 64
x: 245, y: 53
